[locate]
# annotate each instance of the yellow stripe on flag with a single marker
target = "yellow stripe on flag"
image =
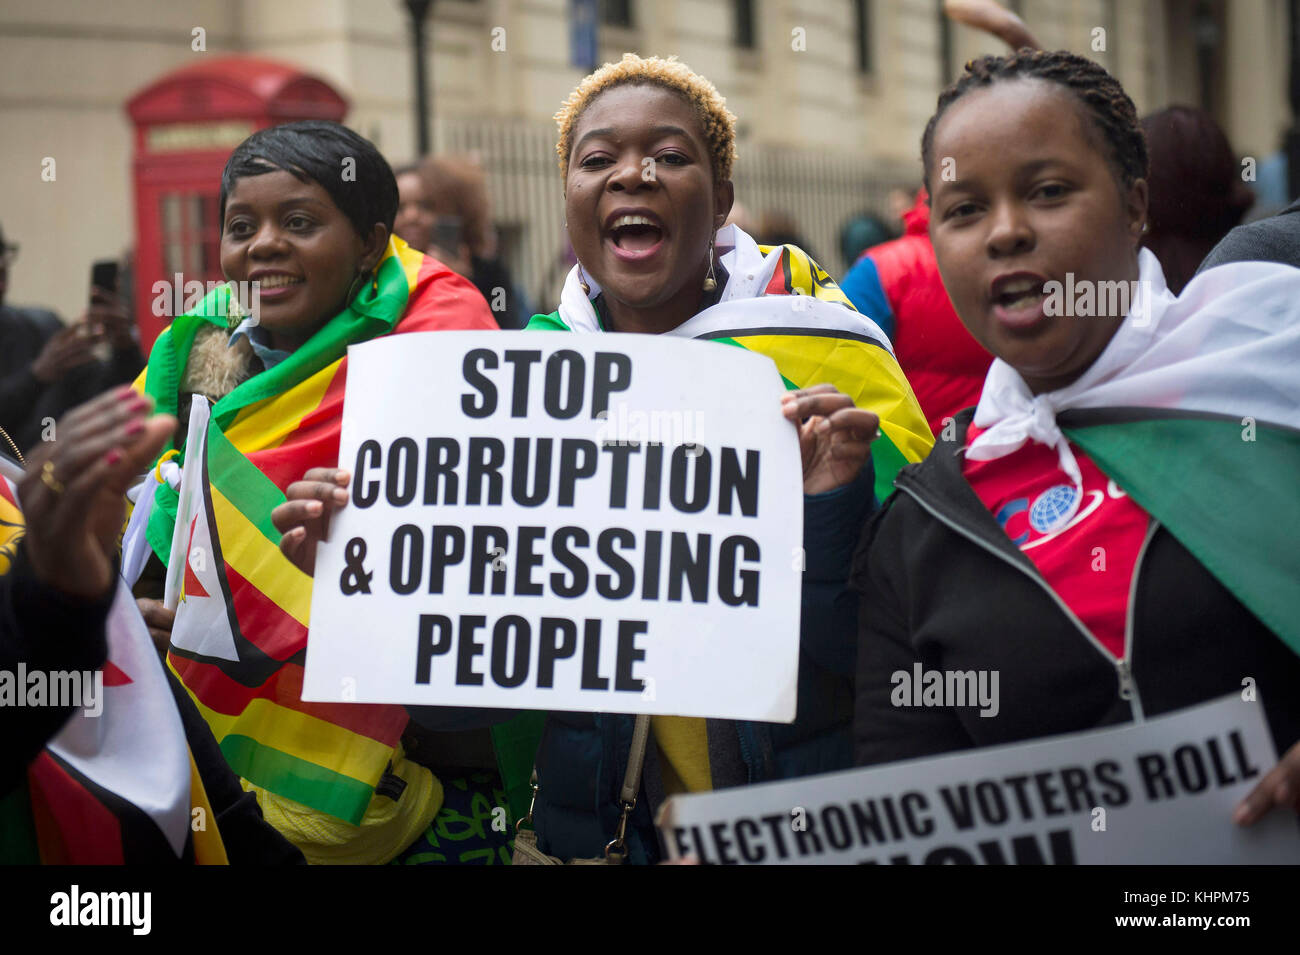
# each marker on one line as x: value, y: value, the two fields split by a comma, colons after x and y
x: 800, y: 273
x: 866, y: 373
x: 306, y: 737
x: 267, y: 423
x: 411, y: 262
x: 209, y: 849
x: 260, y: 562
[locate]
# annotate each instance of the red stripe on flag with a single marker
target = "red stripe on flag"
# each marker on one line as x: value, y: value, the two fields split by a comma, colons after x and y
x: 261, y: 620
x: 313, y: 443
x: 381, y: 722
x: 72, y: 826
x: 777, y: 286
x: 444, y: 301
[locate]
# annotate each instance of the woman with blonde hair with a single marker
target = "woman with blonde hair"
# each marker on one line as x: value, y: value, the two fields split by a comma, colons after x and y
x: 646, y: 148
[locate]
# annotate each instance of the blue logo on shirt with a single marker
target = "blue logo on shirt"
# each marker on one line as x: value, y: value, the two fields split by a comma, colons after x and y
x: 1053, y: 507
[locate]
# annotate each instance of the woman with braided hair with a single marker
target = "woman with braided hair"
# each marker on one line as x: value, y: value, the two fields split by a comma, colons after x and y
x: 1103, y: 533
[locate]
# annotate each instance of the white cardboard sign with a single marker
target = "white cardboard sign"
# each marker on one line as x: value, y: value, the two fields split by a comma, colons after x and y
x: 557, y: 521
x: 1161, y: 791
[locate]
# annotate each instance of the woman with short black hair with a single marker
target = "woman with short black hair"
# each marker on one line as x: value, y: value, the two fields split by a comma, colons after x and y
x: 307, y: 213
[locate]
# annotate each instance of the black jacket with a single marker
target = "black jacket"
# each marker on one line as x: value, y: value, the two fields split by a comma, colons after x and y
x: 26, y: 402
x: 943, y: 584
x: 1275, y: 239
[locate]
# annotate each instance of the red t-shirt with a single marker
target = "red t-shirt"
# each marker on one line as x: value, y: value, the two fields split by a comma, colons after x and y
x: 1087, y: 558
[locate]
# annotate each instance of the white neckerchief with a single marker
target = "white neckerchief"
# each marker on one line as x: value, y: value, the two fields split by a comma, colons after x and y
x: 1227, y: 346
x: 748, y: 272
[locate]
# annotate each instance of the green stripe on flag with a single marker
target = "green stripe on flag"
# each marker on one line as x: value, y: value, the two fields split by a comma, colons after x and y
x: 887, y: 461
x: 1225, y: 491
x: 238, y: 478
x: 304, y: 782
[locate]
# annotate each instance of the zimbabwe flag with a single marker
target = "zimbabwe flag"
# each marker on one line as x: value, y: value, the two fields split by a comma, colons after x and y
x: 117, y: 785
x: 780, y: 303
x: 241, y: 628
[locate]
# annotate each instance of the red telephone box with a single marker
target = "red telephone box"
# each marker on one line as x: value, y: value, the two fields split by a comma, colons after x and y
x: 186, y: 125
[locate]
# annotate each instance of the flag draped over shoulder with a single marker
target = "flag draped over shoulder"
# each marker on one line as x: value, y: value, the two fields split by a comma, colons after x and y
x: 117, y: 785
x: 778, y: 302
x: 240, y: 654
x: 1193, y: 409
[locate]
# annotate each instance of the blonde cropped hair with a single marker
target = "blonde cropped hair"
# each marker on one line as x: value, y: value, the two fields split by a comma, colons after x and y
x: 716, y: 120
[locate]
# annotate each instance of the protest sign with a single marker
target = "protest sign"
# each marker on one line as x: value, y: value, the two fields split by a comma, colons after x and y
x: 1160, y: 791
x: 562, y: 522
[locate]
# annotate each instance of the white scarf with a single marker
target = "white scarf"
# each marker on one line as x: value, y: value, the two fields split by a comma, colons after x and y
x: 748, y: 273
x: 1229, y: 345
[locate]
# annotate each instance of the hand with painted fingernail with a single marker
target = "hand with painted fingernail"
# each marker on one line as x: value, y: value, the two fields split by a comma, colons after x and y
x: 303, y: 519
x: 74, y: 491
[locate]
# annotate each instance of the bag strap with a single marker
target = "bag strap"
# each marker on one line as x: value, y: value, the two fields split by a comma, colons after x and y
x: 616, y: 848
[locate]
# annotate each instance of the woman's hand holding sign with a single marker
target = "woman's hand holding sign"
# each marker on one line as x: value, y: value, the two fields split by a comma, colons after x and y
x: 834, y: 435
x: 1279, y: 789
x: 303, y: 519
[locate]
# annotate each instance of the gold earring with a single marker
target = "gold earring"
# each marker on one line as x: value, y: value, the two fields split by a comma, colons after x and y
x: 710, y: 283
x: 582, y: 281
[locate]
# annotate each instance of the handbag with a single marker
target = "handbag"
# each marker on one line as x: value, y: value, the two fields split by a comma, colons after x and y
x: 526, y: 850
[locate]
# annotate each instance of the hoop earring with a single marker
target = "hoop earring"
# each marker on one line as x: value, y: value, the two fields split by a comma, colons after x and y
x: 710, y: 283
x: 582, y: 281
x: 357, y: 285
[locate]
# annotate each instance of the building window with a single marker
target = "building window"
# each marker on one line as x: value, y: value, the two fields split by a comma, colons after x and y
x: 862, y: 34
x: 945, y: 46
x: 746, y: 24
x: 616, y: 13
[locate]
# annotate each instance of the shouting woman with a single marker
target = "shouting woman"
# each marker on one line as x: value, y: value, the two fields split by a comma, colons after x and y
x: 646, y: 148
x: 1111, y: 532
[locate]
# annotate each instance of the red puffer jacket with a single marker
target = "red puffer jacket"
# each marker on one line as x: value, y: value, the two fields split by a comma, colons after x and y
x: 897, y: 284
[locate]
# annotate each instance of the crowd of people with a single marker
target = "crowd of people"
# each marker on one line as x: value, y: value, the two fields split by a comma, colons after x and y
x: 948, y: 401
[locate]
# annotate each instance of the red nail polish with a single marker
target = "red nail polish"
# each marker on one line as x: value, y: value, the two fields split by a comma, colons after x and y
x: 127, y: 393
x: 135, y: 427
x: 112, y: 457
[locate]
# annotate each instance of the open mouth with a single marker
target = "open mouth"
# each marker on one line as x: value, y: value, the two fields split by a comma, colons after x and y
x: 269, y: 282
x: 1019, y: 300
x: 1020, y: 294
x: 635, y: 236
